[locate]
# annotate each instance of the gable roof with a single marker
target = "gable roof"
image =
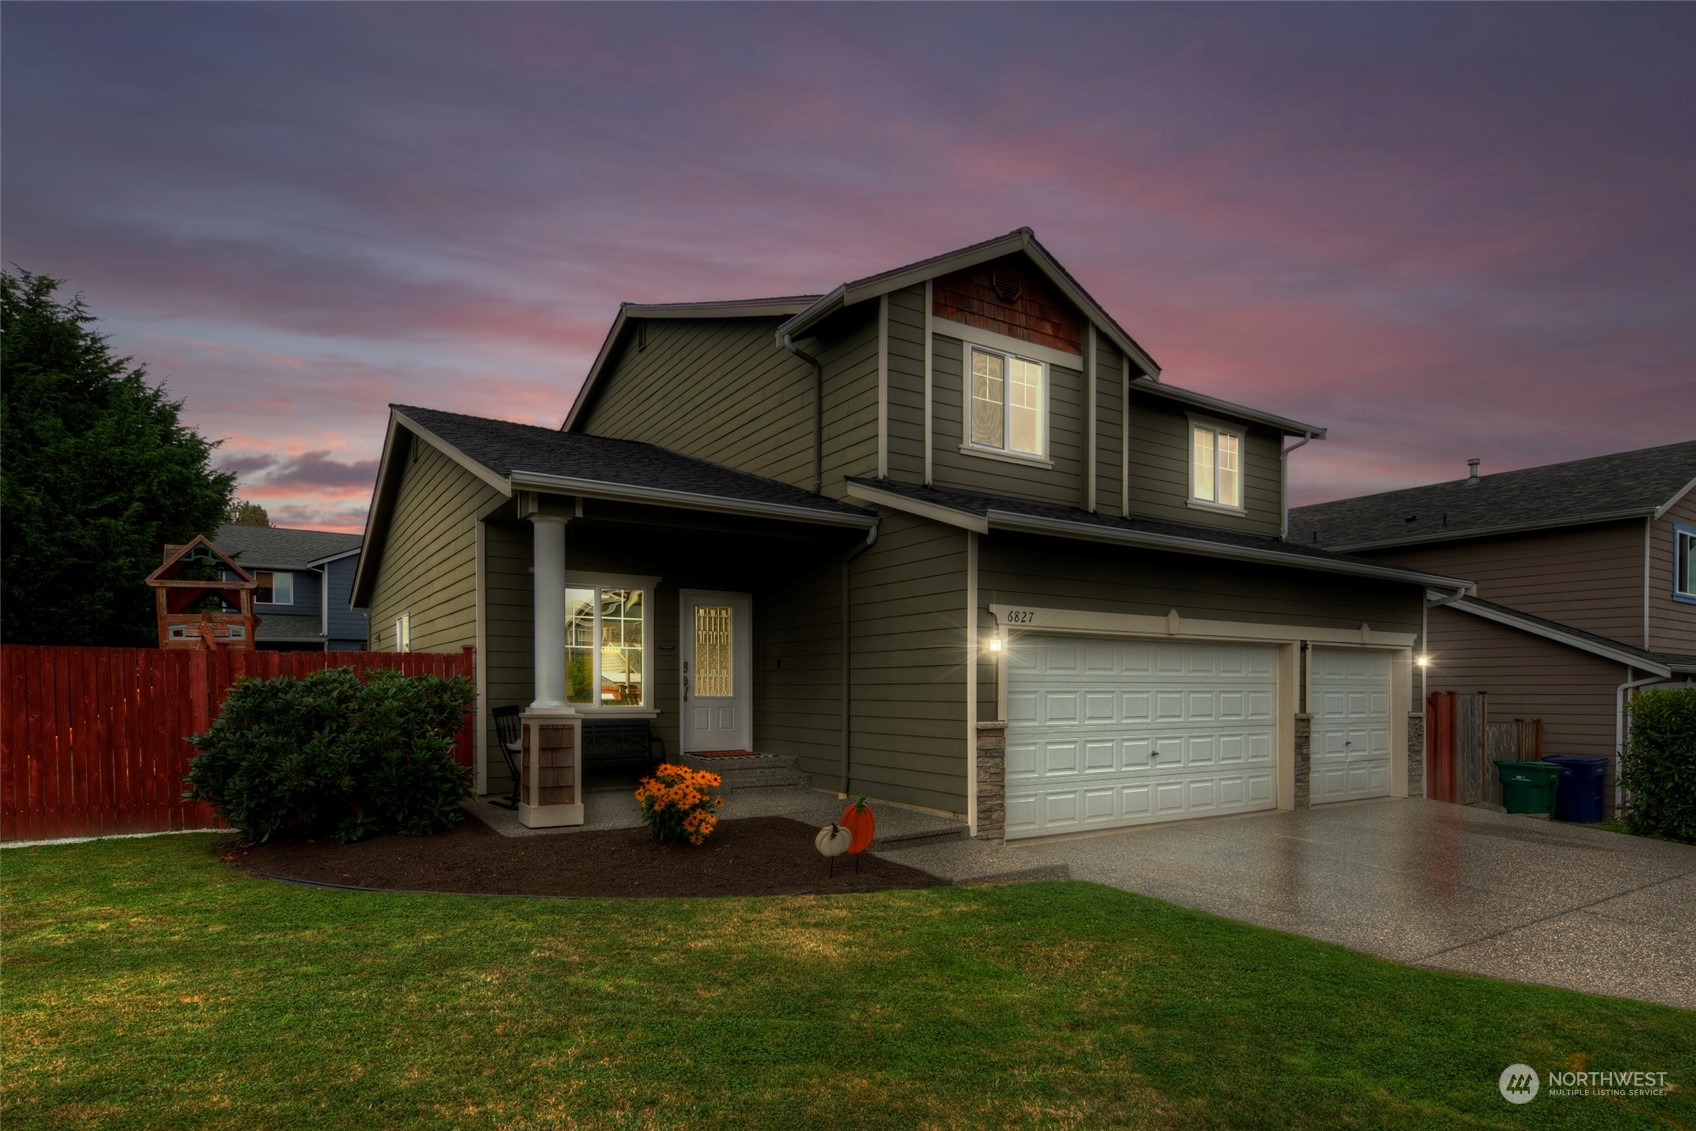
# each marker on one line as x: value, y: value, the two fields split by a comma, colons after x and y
x: 511, y: 457
x: 780, y: 307
x: 1020, y: 240
x: 1658, y: 663
x: 983, y: 513
x: 174, y: 556
x: 282, y: 547
x: 1637, y: 484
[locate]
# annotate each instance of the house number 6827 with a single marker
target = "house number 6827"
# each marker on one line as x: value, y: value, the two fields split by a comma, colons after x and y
x: 1021, y: 616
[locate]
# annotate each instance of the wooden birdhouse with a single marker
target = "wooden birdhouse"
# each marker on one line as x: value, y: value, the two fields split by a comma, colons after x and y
x: 204, y: 599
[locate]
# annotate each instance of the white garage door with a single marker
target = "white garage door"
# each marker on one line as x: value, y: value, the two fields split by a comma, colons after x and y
x: 1349, y: 696
x: 1102, y: 733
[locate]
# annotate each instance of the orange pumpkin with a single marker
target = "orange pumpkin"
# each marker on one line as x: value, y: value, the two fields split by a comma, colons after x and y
x: 857, y: 819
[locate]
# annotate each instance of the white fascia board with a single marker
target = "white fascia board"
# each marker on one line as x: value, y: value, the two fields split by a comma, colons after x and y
x: 948, y: 516
x: 661, y: 496
x: 1677, y: 498
x: 498, y: 482
x: 1228, y: 408
x: 594, y: 375
x: 1004, y: 520
x: 316, y: 562
x: 1093, y: 622
x: 1583, y: 644
x: 1492, y: 531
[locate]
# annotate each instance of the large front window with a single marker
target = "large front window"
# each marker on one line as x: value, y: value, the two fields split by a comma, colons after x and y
x: 1216, y: 466
x: 606, y: 646
x: 1007, y: 403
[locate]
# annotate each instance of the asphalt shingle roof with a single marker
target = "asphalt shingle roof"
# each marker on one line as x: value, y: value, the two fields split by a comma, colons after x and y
x: 1671, y: 659
x: 281, y: 547
x: 975, y: 503
x: 1558, y: 494
x: 504, y: 448
x: 284, y: 626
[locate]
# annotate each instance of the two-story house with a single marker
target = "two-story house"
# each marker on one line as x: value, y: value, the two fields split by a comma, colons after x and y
x: 305, y: 580
x: 1584, y: 574
x: 942, y: 534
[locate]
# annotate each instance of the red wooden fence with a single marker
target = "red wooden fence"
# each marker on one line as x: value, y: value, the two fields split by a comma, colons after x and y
x: 92, y: 739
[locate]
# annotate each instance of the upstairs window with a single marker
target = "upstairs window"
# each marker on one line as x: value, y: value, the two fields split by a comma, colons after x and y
x: 1009, y: 399
x: 275, y: 588
x: 1216, y: 467
x: 607, y: 627
x: 1684, y: 563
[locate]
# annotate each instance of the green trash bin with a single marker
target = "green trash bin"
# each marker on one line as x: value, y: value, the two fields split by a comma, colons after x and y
x: 1529, y: 787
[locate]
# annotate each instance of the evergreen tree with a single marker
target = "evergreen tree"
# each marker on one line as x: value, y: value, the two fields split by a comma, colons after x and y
x: 97, y: 475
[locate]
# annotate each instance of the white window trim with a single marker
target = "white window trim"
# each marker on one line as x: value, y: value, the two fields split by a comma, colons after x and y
x: 403, y: 633
x: 1217, y: 426
x: 971, y: 447
x: 1681, y: 533
x: 275, y: 573
x: 595, y: 580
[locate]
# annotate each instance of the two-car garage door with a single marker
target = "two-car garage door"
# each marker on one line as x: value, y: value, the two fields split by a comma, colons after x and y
x: 1103, y: 733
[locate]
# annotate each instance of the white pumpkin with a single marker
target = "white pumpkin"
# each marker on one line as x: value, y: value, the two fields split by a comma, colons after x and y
x: 833, y: 840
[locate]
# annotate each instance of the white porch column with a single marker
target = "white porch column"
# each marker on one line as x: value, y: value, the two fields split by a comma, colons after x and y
x: 549, y: 612
x: 551, y: 789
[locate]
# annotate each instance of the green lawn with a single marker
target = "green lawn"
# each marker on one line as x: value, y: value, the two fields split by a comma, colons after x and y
x: 147, y: 986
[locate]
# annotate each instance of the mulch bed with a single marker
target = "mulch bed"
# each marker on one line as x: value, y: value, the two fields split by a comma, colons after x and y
x: 753, y: 856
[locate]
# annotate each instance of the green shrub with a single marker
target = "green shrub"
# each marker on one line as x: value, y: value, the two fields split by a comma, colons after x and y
x: 1658, y: 765
x: 330, y: 754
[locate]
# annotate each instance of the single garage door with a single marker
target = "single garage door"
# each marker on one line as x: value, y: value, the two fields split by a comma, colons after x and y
x: 1104, y: 733
x: 1349, y: 696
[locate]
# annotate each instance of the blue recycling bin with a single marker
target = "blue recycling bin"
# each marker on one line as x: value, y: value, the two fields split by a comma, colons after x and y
x: 1578, y: 795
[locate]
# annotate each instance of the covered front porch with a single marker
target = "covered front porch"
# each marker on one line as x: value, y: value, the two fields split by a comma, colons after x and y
x: 719, y: 628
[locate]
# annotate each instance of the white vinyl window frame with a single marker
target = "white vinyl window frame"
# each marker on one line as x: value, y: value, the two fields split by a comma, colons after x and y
x: 597, y: 583
x: 1684, y: 563
x: 280, y: 585
x: 1212, y: 487
x: 1014, y: 367
x: 403, y: 633
x: 970, y: 338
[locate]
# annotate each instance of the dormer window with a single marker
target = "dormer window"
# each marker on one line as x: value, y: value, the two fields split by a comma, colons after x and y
x: 1216, y: 467
x: 1009, y: 398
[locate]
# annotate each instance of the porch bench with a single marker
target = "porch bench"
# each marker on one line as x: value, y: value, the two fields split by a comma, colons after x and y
x: 621, y: 743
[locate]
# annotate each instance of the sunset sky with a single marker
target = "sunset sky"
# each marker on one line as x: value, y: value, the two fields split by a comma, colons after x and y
x: 1442, y: 231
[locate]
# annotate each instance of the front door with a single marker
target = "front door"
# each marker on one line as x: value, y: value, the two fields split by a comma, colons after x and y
x: 717, y: 645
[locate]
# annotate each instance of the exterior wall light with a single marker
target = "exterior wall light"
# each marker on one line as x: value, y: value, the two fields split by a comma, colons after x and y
x: 995, y: 644
x: 1422, y: 660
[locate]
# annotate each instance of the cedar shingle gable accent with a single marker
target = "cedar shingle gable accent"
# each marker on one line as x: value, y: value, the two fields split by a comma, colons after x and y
x: 1039, y: 313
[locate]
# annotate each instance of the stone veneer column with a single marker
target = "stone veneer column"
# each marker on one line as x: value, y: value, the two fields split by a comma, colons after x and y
x: 1304, y: 761
x: 1416, y: 754
x: 551, y: 773
x: 992, y: 781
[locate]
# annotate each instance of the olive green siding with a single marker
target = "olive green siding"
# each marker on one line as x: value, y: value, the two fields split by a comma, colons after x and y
x: 1061, y: 483
x: 1018, y: 570
x: 508, y: 632
x: 908, y: 700
x: 719, y: 389
x: 849, y: 354
x: 1160, y: 470
x: 907, y: 385
x: 1109, y: 427
x: 798, y: 670
x: 427, y: 566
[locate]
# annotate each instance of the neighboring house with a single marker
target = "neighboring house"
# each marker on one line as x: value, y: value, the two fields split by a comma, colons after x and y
x: 305, y: 579
x: 892, y: 530
x: 1584, y: 582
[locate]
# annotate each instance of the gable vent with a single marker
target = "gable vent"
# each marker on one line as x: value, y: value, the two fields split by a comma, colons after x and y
x: 1006, y: 282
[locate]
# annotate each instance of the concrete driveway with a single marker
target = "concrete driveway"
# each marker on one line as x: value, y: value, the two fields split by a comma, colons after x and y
x: 1420, y: 882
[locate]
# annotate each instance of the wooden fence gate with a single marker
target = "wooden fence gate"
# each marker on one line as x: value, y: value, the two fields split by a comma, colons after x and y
x: 92, y: 740
x: 1462, y: 746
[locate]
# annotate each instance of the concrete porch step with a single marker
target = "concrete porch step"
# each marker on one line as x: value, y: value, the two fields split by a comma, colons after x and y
x: 755, y: 771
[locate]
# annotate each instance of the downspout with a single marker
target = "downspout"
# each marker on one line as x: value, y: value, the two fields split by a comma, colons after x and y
x: 1284, y: 481
x: 1620, y: 694
x: 848, y: 647
x: 818, y: 413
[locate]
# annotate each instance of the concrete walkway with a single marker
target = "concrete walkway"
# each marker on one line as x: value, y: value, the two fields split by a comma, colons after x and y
x: 1419, y: 882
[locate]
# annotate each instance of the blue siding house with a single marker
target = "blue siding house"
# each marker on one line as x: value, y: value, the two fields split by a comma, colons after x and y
x: 305, y: 578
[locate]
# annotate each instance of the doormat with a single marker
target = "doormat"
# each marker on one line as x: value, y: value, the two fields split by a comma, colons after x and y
x: 722, y: 754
